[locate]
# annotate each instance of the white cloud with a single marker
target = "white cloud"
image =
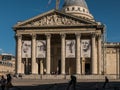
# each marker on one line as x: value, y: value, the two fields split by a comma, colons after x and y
x: 1, y: 50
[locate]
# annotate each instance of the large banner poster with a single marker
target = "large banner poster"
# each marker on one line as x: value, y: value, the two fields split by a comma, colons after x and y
x: 70, y: 48
x: 41, y: 48
x: 26, y: 49
x: 85, y: 48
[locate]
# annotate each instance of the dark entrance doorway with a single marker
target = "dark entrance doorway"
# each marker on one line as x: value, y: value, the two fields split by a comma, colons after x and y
x: 59, y: 66
x: 87, y: 68
x: 27, y: 66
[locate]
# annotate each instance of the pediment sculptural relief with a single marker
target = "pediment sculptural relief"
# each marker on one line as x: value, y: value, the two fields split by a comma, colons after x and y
x: 54, y: 20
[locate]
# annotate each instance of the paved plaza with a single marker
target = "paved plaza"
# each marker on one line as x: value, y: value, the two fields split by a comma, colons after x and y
x: 22, y: 84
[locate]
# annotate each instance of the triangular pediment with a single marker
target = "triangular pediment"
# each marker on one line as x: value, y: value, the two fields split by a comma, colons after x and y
x: 53, y: 18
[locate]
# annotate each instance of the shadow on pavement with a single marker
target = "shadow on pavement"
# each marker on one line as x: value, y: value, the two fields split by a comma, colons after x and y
x: 79, y: 86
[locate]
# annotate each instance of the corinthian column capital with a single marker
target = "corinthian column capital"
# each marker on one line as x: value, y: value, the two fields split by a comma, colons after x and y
x: 18, y: 36
x: 48, y: 35
x: 33, y: 36
x: 99, y: 36
x: 78, y: 35
x: 93, y: 35
x: 63, y: 35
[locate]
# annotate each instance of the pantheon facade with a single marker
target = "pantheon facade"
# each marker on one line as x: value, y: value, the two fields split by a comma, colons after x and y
x: 65, y: 42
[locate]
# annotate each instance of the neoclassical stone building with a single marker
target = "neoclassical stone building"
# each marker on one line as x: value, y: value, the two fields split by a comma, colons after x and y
x: 65, y: 42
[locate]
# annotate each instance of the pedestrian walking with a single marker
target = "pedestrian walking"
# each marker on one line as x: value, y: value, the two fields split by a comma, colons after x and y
x: 106, y: 82
x: 3, y: 82
x: 9, y: 82
x: 72, y: 83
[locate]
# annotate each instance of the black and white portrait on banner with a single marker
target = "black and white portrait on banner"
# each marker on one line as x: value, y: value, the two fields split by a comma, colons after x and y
x: 70, y: 48
x: 26, y: 49
x: 41, y: 48
x: 85, y: 48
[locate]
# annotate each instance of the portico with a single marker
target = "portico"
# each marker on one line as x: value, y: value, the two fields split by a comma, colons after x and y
x: 54, y: 59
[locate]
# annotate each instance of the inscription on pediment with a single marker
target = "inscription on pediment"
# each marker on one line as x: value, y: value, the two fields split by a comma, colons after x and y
x: 54, y: 19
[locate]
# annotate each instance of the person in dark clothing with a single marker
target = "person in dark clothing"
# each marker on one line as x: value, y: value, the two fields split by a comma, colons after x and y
x: 9, y: 82
x: 72, y: 83
x: 9, y: 78
x: 3, y: 82
x: 106, y: 81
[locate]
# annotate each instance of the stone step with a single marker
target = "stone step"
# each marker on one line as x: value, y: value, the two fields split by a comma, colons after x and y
x: 81, y: 77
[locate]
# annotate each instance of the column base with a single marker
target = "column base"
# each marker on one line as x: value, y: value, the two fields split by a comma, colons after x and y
x: 78, y: 74
x: 62, y: 74
x: 34, y: 74
x: 47, y: 74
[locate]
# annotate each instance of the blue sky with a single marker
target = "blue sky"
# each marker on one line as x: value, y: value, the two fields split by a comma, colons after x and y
x: 12, y: 11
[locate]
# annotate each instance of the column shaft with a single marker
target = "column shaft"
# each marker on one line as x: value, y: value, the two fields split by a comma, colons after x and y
x: 19, y: 56
x: 34, y: 65
x: 94, y: 61
x: 78, y: 63
x: 48, y: 68
x: 41, y: 66
x: 83, y: 65
x: 99, y: 53
x: 63, y: 54
x: 22, y: 67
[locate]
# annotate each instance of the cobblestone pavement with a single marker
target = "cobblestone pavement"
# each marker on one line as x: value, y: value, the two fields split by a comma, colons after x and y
x: 21, y: 84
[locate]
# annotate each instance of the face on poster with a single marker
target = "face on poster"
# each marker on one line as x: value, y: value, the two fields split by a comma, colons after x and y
x: 26, y: 49
x: 70, y: 48
x: 41, y: 48
x: 85, y: 48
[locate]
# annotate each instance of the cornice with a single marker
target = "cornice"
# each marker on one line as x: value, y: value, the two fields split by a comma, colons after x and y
x: 56, y: 27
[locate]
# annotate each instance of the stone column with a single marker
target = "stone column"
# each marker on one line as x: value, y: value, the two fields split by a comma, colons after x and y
x: 78, y: 62
x: 19, y: 55
x: 94, y: 61
x: 99, y: 53
x: 63, y: 54
x: 41, y: 66
x: 22, y: 67
x: 34, y: 65
x: 48, y: 62
x: 83, y: 65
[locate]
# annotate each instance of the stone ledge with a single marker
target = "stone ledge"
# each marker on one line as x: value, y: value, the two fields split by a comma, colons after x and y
x: 80, y: 77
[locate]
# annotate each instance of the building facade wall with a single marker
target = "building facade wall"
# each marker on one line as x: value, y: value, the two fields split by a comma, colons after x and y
x: 7, y: 67
x: 112, y: 58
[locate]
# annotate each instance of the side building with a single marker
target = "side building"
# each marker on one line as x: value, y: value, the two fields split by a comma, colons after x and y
x: 111, y: 63
x: 7, y: 64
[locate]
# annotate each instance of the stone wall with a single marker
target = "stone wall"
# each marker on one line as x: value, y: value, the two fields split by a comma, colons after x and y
x: 111, y: 63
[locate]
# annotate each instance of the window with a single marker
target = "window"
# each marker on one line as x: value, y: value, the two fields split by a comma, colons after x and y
x: 73, y: 8
x: 83, y: 10
x: 78, y: 9
x: 67, y: 9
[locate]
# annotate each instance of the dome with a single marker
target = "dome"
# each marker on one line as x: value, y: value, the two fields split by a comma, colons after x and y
x: 81, y: 3
x: 78, y: 8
